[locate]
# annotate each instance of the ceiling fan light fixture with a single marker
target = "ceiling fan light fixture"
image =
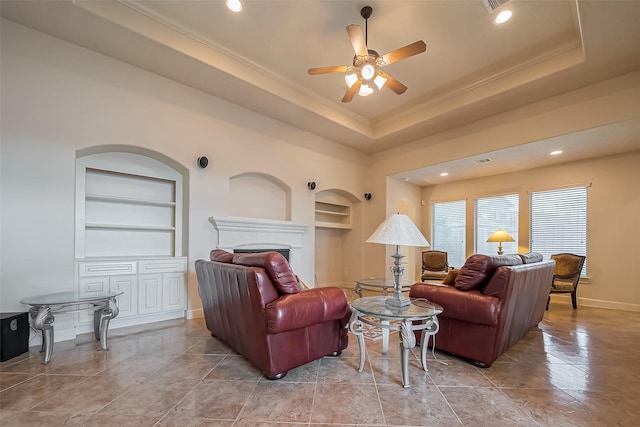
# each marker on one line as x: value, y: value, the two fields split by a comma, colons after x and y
x: 367, y: 63
x: 368, y: 72
x: 350, y: 79
x: 379, y: 81
x: 365, y: 90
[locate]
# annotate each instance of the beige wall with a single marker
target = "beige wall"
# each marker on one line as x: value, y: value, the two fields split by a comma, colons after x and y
x: 613, y: 219
x: 58, y: 98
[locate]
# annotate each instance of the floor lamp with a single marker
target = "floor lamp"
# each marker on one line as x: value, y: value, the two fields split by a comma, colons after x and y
x: 398, y: 230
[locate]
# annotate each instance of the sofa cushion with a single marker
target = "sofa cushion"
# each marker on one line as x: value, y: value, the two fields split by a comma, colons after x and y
x: 309, y: 307
x: 530, y: 257
x: 450, y: 278
x: 221, y: 256
x: 471, y: 307
x: 478, y: 268
x: 276, y: 266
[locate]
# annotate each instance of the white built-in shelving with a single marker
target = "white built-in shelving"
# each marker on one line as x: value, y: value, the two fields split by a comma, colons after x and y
x: 129, y: 235
x: 333, y: 215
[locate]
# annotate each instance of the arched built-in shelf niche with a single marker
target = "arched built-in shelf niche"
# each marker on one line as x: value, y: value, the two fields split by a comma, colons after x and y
x: 337, y: 238
x: 259, y: 195
x: 130, y: 233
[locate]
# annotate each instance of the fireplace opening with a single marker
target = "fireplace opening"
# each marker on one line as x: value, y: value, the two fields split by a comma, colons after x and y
x: 284, y: 252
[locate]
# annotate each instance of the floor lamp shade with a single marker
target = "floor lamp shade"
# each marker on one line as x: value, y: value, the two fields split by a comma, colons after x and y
x: 399, y: 230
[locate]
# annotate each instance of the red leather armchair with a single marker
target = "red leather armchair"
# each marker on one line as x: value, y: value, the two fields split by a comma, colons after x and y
x: 254, y: 304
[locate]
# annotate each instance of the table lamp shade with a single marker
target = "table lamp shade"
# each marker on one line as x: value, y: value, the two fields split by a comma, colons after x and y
x: 500, y: 236
x: 399, y: 230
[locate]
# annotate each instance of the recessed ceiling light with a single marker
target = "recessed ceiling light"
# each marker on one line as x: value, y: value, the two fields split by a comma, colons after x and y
x: 234, y: 5
x: 555, y: 153
x: 503, y: 17
x: 444, y: 174
x: 405, y: 179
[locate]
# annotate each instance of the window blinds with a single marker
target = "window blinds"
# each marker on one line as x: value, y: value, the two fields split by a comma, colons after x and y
x: 559, y: 222
x: 492, y: 213
x: 448, y: 230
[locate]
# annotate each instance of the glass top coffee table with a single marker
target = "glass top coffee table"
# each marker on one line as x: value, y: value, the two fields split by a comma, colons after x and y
x: 423, y: 312
x: 43, y: 307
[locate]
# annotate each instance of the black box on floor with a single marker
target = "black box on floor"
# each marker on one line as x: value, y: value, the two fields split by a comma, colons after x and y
x: 15, y: 335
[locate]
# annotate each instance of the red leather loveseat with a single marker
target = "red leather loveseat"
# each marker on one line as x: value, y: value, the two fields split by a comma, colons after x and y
x: 494, y: 302
x: 253, y: 303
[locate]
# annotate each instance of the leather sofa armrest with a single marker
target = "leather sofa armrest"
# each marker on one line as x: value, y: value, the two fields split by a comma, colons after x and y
x: 308, y: 307
x: 469, y: 306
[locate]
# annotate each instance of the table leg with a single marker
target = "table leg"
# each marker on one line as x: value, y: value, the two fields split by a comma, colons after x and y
x: 385, y: 337
x: 431, y: 330
x: 43, y: 321
x: 356, y: 327
x: 407, y: 342
x: 358, y: 290
x: 101, y: 320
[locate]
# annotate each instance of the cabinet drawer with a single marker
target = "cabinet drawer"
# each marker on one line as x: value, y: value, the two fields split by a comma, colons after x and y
x: 171, y: 265
x: 106, y: 268
x: 93, y: 285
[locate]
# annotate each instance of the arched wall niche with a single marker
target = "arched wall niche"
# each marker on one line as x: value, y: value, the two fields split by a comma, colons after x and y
x: 132, y: 161
x: 338, y: 195
x: 121, y: 148
x: 259, y: 195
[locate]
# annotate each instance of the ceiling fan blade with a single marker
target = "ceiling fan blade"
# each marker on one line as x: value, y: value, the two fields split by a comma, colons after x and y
x: 393, y: 84
x: 348, y: 95
x: 357, y: 40
x: 404, y: 52
x: 333, y: 69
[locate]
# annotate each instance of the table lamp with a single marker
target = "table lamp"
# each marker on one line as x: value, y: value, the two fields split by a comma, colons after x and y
x: 500, y: 236
x: 398, y: 230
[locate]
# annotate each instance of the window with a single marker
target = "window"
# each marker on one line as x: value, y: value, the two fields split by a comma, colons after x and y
x: 559, y: 222
x: 448, y: 230
x: 492, y: 213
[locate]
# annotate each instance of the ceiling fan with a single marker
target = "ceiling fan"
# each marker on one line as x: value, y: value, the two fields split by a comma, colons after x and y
x: 367, y: 63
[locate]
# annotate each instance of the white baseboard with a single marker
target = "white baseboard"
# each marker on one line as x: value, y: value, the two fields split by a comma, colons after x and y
x: 598, y: 303
x: 121, y: 322
x: 35, y: 337
x: 195, y: 314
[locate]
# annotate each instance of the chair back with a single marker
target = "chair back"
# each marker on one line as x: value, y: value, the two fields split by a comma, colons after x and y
x: 568, y: 266
x: 434, y: 261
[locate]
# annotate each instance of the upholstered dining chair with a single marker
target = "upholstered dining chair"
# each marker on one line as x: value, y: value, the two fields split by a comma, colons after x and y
x: 434, y: 265
x: 566, y: 275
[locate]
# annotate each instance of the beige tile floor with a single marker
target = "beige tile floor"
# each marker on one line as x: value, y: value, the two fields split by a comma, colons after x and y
x: 580, y: 368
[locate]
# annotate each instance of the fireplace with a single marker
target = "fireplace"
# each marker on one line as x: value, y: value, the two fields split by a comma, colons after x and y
x: 238, y: 235
x: 284, y: 252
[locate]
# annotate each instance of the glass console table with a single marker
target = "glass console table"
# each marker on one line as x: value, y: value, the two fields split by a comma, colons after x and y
x: 43, y: 308
x: 423, y: 312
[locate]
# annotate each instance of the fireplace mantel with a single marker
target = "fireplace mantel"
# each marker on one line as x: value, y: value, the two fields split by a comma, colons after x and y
x: 254, y: 233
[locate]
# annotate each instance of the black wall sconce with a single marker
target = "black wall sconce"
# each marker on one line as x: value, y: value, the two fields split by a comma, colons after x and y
x: 203, y: 162
x: 367, y: 196
x: 311, y: 185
